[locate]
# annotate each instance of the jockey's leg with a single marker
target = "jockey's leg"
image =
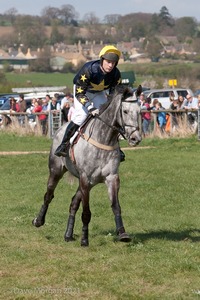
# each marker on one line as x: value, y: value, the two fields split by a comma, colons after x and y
x: 70, y: 130
x: 77, y: 119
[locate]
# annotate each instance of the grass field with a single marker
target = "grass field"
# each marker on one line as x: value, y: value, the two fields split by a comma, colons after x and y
x: 159, y: 196
x: 40, y: 79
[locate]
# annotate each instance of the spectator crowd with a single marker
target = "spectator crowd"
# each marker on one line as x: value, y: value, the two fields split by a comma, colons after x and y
x: 39, y: 110
x: 165, y: 121
x: 171, y: 118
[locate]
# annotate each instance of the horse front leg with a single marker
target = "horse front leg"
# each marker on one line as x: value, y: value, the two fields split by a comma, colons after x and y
x: 86, y: 214
x: 49, y: 195
x: 113, y: 185
x: 75, y: 203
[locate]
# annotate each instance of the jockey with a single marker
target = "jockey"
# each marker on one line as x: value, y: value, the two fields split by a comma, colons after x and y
x: 91, y: 83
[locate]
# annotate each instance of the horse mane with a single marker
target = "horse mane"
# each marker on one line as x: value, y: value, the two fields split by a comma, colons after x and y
x: 125, y: 90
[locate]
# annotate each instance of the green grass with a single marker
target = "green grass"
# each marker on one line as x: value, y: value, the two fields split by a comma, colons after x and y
x: 159, y: 196
x: 40, y: 79
x: 15, y: 142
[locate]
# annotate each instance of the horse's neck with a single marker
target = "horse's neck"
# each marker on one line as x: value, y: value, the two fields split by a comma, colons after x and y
x: 100, y: 128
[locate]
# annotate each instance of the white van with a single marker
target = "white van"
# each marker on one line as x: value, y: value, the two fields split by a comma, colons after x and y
x: 163, y: 95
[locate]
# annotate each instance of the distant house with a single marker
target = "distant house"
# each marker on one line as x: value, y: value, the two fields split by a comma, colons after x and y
x: 16, y: 59
x: 58, y: 59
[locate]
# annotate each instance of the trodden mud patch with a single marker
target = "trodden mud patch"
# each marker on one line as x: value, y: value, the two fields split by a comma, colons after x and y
x: 22, y: 152
x: 46, y: 152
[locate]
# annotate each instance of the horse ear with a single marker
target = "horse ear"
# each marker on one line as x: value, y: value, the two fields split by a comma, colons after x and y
x: 138, y: 92
x: 128, y: 92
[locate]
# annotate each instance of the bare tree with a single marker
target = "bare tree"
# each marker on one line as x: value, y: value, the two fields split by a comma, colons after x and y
x: 67, y: 14
x: 11, y: 14
x: 49, y: 13
x: 90, y: 18
x: 112, y: 19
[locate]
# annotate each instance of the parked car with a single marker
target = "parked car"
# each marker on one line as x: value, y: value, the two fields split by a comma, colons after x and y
x: 2, y: 100
x: 144, y: 88
x: 5, y: 97
x: 196, y: 93
x: 163, y: 95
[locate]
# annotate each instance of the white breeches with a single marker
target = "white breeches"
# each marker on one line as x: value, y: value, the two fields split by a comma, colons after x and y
x: 81, y: 112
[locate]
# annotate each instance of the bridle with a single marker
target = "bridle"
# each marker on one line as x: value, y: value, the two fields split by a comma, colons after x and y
x: 121, y: 129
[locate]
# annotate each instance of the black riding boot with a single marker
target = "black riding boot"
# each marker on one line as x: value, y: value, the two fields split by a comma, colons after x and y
x: 70, y: 130
x: 122, y: 155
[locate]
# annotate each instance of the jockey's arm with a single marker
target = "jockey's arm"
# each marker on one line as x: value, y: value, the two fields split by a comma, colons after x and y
x: 82, y: 83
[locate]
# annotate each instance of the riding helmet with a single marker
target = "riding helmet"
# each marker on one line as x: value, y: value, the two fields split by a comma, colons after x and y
x: 111, y: 53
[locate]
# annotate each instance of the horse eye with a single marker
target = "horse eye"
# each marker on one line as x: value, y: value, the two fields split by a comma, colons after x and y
x: 125, y: 112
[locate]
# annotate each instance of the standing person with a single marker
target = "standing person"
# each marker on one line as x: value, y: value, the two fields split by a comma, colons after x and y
x: 21, y: 104
x: 55, y: 111
x: 54, y: 106
x: 37, y: 107
x: 29, y: 110
x: 13, y: 105
x: 65, y: 111
x: 146, y: 116
x: 182, y: 101
x: 44, y: 119
x: 90, y: 85
x: 48, y: 98
x: 21, y: 108
x: 141, y: 99
x: 65, y: 99
x: 192, y: 104
x: 153, y: 104
x: 161, y: 118
x: 175, y: 105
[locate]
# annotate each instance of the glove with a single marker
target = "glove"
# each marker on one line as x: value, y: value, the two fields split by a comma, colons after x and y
x: 94, y: 111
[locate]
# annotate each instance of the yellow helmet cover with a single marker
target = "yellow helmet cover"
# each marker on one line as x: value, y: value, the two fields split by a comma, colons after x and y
x: 110, y: 52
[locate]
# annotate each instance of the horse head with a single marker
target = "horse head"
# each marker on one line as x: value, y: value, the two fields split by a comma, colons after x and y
x: 128, y: 116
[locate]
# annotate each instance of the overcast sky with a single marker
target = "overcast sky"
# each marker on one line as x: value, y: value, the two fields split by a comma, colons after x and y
x: 181, y: 8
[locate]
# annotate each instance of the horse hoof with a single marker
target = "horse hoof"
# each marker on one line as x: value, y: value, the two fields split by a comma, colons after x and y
x: 36, y: 223
x: 84, y: 243
x: 69, y: 238
x: 124, y: 237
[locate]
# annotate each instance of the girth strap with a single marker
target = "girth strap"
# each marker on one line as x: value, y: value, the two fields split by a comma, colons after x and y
x: 98, y: 145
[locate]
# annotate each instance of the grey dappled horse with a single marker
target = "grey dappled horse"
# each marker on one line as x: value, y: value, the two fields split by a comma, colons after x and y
x: 95, y: 158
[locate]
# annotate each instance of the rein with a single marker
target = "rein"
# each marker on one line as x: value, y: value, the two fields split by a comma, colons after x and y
x: 119, y: 130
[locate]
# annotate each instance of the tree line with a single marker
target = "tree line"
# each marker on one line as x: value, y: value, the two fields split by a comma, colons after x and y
x: 64, y: 24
